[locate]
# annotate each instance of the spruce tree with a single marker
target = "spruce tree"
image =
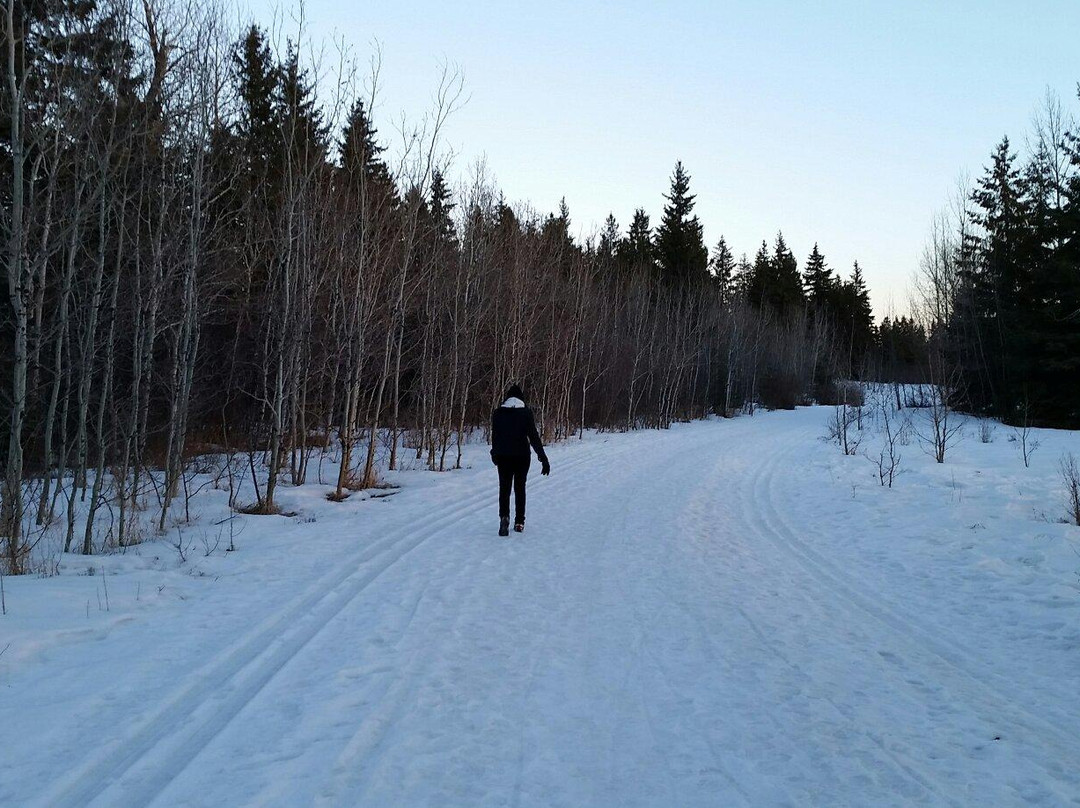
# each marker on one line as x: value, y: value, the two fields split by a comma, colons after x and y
x: 636, y: 250
x: 1056, y: 291
x: 556, y: 231
x: 819, y: 284
x: 743, y: 277
x: 775, y: 282
x: 610, y: 238
x: 903, y: 349
x: 680, y: 249
x: 998, y: 286
x: 759, y: 281
x: 361, y: 159
x: 787, y: 294
x: 853, y: 320
x: 302, y: 124
x: 722, y: 267
x: 862, y: 314
x: 257, y: 85
x: 441, y: 211
x: 507, y: 226
x: 71, y: 53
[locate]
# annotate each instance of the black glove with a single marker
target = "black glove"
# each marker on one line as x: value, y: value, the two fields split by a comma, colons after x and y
x: 545, y: 469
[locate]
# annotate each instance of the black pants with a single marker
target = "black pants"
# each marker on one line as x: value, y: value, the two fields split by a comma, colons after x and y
x: 512, y: 472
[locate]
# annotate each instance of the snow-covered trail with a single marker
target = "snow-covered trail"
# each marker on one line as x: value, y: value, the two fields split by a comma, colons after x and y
x: 668, y: 631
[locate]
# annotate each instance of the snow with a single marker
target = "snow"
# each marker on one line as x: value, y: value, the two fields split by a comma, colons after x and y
x: 724, y: 613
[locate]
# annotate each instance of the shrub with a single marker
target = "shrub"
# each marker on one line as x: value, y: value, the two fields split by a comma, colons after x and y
x: 780, y: 390
x: 1026, y: 441
x: 833, y: 393
x: 894, y: 426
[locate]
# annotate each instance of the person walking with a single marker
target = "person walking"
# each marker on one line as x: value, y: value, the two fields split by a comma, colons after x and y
x: 513, y: 429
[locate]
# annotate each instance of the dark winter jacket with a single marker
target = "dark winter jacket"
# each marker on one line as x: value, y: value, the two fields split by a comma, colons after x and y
x: 513, y: 428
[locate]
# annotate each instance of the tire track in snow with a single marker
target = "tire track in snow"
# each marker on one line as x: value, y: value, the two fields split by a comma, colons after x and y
x: 213, y: 695
x: 919, y: 640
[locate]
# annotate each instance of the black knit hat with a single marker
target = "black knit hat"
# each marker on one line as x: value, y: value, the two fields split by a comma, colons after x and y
x: 514, y: 391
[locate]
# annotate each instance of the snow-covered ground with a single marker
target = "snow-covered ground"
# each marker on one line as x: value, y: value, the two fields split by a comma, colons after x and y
x: 725, y: 613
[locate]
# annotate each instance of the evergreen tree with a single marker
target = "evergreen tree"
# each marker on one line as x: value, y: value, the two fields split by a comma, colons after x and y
x: 722, y: 267
x: 775, y: 281
x: 759, y: 279
x: 441, y: 210
x: 610, y: 238
x: 636, y: 250
x: 257, y: 86
x: 680, y: 249
x: 861, y: 314
x: 787, y: 293
x: 507, y: 226
x: 370, y: 196
x: 72, y: 53
x: 556, y: 231
x: 819, y: 284
x: 1056, y: 293
x: 361, y: 159
x: 853, y: 320
x: 304, y: 132
x: 903, y: 349
x: 1014, y: 326
x: 997, y: 289
x: 743, y: 278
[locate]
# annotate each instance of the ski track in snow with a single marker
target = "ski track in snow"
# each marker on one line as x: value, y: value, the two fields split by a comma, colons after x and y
x: 919, y: 638
x: 221, y: 690
x: 998, y: 709
x: 666, y: 632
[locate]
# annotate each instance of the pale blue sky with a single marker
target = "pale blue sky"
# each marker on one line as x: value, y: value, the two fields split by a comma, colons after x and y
x: 844, y: 123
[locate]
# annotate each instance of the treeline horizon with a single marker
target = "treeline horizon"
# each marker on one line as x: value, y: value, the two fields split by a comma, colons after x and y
x: 205, y: 256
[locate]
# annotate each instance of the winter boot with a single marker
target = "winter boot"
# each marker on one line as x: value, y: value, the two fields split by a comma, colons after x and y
x: 519, y: 527
x: 504, y: 526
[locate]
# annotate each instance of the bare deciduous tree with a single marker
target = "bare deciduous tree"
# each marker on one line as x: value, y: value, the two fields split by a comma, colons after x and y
x: 941, y: 427
x: 1070, y: 476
